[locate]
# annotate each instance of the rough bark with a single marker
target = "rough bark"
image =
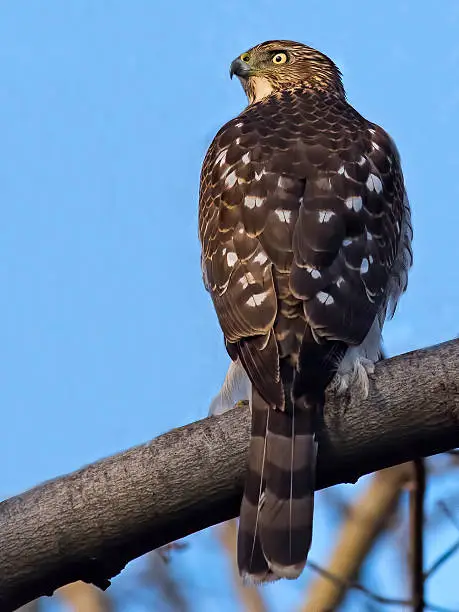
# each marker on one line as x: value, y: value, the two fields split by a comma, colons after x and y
x: 89, y: 524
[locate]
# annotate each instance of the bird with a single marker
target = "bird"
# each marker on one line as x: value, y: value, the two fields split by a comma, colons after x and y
x: 305, y: 231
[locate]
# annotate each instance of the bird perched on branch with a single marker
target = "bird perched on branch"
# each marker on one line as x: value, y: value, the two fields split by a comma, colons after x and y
x: 306, y: 245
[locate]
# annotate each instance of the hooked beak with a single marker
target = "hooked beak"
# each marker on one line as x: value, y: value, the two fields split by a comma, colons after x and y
x: 239, y: 68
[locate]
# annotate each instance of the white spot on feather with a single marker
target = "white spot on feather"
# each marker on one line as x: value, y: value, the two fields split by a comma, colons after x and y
x: 261, y: 258
x: 325, y: 215
x: 221, y: 157
x: 257, y: 299
x: 313, y: 272
x: 346, y: 242
x: 369, y: 235
x: 354, y: 202
x: 240, y: 124
x: 246, y: 158
x: 374, y: 183
x: 283, y: 214
x: 231, y: 179
x: 238, y: 140
x: 375, y: 146
x: 231, y: 258
x: 325, y: 298
x: 247, y: 279
x: 339, y: 281
x: 251, y: 201
x: 258, y: 175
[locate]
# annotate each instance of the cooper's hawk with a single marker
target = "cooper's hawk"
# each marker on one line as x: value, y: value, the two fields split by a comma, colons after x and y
x: 306, y: 244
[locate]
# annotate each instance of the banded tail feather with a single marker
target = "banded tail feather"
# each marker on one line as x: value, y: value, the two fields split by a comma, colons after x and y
x: 275, y: 528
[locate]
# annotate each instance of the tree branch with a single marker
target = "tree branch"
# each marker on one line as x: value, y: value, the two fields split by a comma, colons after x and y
x: 416, y: 553
x: 367, y: 518
x: 89, y: 524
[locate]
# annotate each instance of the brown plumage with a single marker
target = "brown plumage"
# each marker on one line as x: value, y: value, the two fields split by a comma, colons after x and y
x: 305, y: 232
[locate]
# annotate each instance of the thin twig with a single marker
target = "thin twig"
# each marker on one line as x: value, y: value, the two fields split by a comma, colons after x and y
x: 417, y: 494
x: 451, y: 550
x: 433, y: 608
x: 442, y: 505
x: 388, y: 601
x: 441, y: 560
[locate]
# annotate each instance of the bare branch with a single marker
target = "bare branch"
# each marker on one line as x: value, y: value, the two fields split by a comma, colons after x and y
x: 345, y: 585
x: 443, y: 558
x: 417, y: 494
x: 89, y: 524
x: 367, y: 518
x: 387, y: 601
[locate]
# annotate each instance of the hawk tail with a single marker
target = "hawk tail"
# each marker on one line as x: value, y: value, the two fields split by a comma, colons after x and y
x: 276, y: 513
x: 275, y: 527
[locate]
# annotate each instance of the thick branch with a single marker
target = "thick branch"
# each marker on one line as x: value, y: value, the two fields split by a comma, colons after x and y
x: 89, y: 524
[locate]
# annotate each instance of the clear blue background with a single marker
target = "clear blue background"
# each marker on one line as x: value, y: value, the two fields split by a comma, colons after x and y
x: 106, y: 109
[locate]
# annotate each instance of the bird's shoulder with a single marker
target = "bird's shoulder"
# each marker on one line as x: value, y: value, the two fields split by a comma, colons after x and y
x: 296, y: 132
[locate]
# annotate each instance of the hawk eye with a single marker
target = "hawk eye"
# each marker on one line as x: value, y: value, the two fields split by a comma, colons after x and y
x: 280, y: 58
x: 245, y: 57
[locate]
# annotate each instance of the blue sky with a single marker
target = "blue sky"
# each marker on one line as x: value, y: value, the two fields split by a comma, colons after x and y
x: 106, y: 109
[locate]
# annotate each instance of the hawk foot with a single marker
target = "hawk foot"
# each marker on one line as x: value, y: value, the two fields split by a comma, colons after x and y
x: 356, y: 379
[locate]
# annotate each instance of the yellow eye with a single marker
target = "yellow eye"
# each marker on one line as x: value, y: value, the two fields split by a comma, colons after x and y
x: 280, y: 58
x: 245, y: 57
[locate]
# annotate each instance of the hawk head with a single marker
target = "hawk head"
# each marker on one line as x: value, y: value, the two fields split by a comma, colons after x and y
x: 281, y: 64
